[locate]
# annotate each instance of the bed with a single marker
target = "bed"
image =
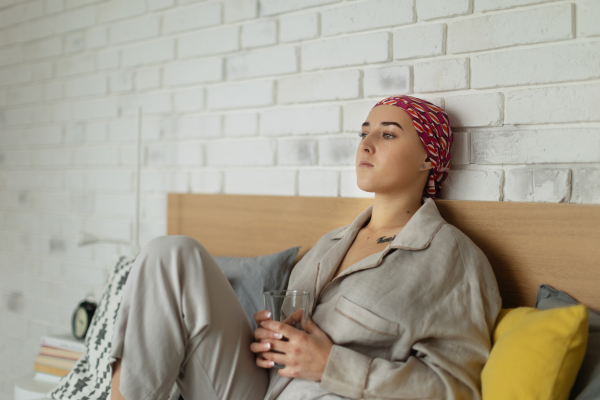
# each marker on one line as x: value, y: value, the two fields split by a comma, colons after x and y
x: 527, y: 243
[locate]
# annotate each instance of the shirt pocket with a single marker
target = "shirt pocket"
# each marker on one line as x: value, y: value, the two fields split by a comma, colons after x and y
x: 358, y: 325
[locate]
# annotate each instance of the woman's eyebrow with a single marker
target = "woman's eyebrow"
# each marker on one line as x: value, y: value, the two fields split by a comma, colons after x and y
x: 384, y: 123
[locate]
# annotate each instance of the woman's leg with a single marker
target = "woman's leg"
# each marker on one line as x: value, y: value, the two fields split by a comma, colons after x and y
x: 180, y: 321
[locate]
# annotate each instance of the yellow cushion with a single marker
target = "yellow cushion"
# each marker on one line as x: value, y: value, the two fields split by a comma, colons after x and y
x: 535, y: 354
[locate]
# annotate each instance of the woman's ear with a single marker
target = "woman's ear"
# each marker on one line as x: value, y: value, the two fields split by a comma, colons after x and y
x: 426, y: 164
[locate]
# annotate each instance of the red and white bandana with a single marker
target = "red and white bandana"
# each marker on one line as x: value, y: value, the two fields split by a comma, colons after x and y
x: 433, y: 126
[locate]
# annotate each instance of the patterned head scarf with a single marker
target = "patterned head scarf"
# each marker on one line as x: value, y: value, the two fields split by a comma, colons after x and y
x: 433, y: 126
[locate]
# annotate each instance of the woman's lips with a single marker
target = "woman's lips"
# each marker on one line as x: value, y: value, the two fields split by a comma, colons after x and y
x: 365, y: 164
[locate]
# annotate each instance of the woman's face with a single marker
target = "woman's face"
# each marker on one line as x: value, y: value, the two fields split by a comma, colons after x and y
x: 390, y: 156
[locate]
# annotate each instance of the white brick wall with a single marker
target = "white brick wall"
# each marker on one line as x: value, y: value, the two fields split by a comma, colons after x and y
x: 262, y: 97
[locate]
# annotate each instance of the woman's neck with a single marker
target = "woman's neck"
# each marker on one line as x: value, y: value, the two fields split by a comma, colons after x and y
x: 392, y: 211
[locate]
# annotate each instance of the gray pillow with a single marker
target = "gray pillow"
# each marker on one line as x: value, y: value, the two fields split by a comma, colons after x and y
x: 587, y: 384
x: 251, y: 276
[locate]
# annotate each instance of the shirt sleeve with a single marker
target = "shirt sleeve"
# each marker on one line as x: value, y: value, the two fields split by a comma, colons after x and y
x: 446, y: 357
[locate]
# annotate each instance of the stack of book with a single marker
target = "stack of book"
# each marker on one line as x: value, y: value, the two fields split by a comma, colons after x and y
x: 58, y: 354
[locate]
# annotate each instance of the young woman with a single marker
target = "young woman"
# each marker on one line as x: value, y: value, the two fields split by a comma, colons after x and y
x: 403, y: 303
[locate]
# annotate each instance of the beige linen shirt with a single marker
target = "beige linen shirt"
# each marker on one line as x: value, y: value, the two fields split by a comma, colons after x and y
x: 412, y: 321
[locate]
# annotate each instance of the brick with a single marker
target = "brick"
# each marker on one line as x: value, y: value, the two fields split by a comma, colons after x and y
x: 164, y: 181
x: 53, y: 6
x: 38, y: 29
x: 519, y: 185
x: 136, y: 29
x: 147, y: 78
x: 24, y: 95
x: 155, y: 5
x: 103, y: 108
x: 587, y: 18
x: 336, y: 85
x: 193, y: 71
x: 468, y: 184
x: 296, y: 152
x: 200, y: 127
x: 461, y: 148
x: 189, y: 100
x: 33, y: 179
x: 372, y: 14
x: 419, y: 41
x: 21, y: 13
x: 386, y: 81
x: 12, y: 55
x: 575, y: 103
x: 270, y: 7
x: 537, y: 147
x: 298, y: 27
x: 548, y: 64
x: 475, y: 110
x: 207, y: 42
x: 489, y: 5
x: 299, y: 121
x: 122, y: 130
x: 96, y: 37
x: 42, y: 49
x: 347, y: 50
x: 109, y: 180
x: 340, y: 150
x: 73, y: 43
x: 42, y: 71
x: 437, y: 76
x: 432, y: 9
x: 260, y: 181
x: 79, y: 3
x: 154, y: 206
x: 538, y: 25
x: 149, y: 53
x: 260, y: 33
x: 77, y: 19
x: 242, y: 124
x: 75, y: 65
x: 355, y: 113
x: 95, y: 133
x: 239, y: 10
x: 187, y: 18
x: 101, y: 156
x: 120, y: 9
x: 185, y: 154
x: 108, y: 59
x: 206, y: 181
x: 272, y: 61
x: 89, y: 86
x: 121, y: 82
x: 551, y: 185
x: 150, y: 103
x: 585, y: 188
x: 240, y: 95
x: 321, y: 183
x: 349, y: 187
x: 260, y: 152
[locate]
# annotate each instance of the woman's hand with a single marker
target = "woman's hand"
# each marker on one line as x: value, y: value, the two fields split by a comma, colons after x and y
x: 304, y: 355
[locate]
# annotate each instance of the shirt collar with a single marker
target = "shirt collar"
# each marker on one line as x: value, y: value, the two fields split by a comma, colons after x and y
x: 418, y: 232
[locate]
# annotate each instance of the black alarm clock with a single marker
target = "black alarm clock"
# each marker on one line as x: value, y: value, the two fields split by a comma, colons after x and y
x: 82, y: 318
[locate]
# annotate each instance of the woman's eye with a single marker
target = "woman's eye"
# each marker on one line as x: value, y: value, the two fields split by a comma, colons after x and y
x: 361, y: 135
x: 388, y: 136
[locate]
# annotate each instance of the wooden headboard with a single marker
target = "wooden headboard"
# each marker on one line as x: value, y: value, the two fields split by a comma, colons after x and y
x: 527, y: 243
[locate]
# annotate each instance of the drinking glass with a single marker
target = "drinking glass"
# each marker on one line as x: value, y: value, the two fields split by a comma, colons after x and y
x: 290, y: 307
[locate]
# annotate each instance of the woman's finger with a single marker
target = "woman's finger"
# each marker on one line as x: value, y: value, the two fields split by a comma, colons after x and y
x: 285, y: 329
x: 263, y: 363
x: 261, y: 316
x: 260, y: 347
x: 262, y: 333
x: 275, y: 357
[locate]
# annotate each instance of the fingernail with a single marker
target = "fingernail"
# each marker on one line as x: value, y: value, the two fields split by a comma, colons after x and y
x: 268, y: 314
x: 267, y: 346
x: 262, y: 323
x: 278, y: 335
x: 271, y: 363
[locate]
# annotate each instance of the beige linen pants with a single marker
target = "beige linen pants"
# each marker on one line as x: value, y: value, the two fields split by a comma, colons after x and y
x: 180, y: 322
